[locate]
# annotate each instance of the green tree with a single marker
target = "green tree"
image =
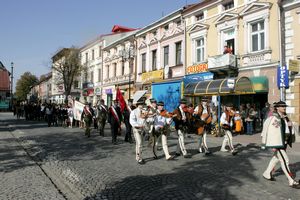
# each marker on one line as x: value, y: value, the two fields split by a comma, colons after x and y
x: 67, y: 65
x: 24, y: 84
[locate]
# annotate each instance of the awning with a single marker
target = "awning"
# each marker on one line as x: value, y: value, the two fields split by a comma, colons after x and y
x: 260, y: 84
x: 138, y: 94
x: 234, y: 86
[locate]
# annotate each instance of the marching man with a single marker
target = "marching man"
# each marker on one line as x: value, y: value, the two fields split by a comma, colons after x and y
x: 180, y: 120
x: 161, y: 125
x: 137, y: 121
x: 115, y: 118
x: 226, y: 121
x: 277, y: 134
x: 203, y: 111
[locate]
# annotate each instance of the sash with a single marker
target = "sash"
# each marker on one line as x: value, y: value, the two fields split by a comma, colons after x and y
x: 87, y: 111
x: 114, y: 113
x: 103, y: 107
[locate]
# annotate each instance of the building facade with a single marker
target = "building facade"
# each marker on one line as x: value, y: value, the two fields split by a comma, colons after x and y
x: 119, y: 67
x: 232, y: 39
x: 291, y: 54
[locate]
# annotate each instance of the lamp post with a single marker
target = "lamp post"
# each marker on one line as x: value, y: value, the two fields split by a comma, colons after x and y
x: 127, y: 54
x: 11, y: 83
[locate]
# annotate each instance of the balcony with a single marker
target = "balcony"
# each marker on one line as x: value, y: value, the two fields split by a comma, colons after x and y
x: 223, y: 65
x: 257, y: 58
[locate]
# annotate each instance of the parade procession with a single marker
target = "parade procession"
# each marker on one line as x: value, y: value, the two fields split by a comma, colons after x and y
x: 194, y: 99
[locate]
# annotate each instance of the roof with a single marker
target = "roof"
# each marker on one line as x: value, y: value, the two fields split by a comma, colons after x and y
x: 118, y: 28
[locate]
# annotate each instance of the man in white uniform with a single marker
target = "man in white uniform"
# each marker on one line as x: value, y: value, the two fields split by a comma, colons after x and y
x: 161, y: 129
x: 137, y: 122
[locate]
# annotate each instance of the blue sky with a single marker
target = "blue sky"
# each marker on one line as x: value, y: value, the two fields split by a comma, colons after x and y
x: 33, y: 30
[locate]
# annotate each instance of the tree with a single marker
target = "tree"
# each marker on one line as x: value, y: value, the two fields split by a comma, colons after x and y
x: 24, y: 85
x: 66, y: 64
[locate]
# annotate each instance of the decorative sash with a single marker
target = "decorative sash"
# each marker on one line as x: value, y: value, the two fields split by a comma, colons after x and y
x: 115, y: 114
x: 87, y: 111
x: 103, y: 107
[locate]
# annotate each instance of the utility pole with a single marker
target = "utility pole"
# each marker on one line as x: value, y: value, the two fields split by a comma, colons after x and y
x: 11, y: 85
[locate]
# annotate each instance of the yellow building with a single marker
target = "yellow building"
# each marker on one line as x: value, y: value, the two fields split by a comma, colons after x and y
x: 250, y: 30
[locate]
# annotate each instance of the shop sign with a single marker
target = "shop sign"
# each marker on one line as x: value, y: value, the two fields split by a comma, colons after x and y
x: 154, y: 75
x: 230, y: 83
x: 61, y: 88
x: 87, y: 85
x: 197, y: 68
x: 225, y: 60
x: 282, y: 77
x: 97, y: 91
x: 198, y: 77
x: 294, y: 65
x: 88, y: 92
x: 108, y: 91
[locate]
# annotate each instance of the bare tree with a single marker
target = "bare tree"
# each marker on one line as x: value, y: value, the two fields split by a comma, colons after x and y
x: 67, y: 66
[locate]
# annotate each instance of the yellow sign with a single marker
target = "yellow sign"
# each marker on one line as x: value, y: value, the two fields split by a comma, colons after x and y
x: 154, y: 75
x: 294, y: 65
x: 197, y: 68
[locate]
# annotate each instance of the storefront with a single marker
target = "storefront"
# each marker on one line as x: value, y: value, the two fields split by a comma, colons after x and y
x: 223, y: 90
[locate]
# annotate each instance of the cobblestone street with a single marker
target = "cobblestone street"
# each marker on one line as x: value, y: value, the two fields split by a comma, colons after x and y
x: 38, y: 162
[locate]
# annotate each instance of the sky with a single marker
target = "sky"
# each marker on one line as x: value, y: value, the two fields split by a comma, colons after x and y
x: 31, y: 31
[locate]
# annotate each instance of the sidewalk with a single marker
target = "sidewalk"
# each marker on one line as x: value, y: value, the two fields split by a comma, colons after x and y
x: 21, y: 177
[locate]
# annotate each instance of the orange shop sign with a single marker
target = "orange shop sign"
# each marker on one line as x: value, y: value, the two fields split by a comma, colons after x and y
x: 197, y: 68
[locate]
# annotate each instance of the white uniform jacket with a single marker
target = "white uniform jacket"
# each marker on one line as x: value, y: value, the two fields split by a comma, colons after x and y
x: 272, y: 135
x: 135, y: 118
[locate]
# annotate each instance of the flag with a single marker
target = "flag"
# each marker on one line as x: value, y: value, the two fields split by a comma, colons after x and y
x: 121, y: 100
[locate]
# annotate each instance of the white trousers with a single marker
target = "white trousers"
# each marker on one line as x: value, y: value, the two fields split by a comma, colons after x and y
x: 202, y: 142
x: 227, y: 140
x: 138, y: 143
x: 279, y: 156
x: 164, y: 145
x: 180, y: 143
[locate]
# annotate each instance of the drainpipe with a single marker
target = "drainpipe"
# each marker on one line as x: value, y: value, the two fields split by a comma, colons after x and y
x: 281, y: 34
x: 185, y: 54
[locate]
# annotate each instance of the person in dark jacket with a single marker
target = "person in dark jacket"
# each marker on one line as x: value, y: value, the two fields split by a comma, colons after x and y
x: 115, y: 118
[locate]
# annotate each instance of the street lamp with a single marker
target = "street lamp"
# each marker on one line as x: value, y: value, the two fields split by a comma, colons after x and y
x: 11, y: 83
x: 127, y: 54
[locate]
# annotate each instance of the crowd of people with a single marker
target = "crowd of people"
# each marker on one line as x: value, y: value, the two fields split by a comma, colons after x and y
x: 153, y: 123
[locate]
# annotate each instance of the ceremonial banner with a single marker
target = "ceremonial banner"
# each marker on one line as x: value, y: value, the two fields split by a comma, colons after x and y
x: 121, y: 100
x: 77, y: 110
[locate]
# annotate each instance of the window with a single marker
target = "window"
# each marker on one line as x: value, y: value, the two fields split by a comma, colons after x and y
x: 144, y: 62
x: 115, y: 69
x: 178, y: 23
x: 92, y: 77
x: 199, y: 45
x: 123, y: 67
x: 199, y: 16
x: 178, y: 53
x: 100, y: 51
x: 166, y: 55
x: 166, y: 27
x: 257, y: 36
x: 107, y: 71
x: 86, y: 57
x: 228, y: 5
x: 154, y: 33
x: 99, y: 75
x: 154, y: 60
x: 93, y: 54
x: 76, y: 84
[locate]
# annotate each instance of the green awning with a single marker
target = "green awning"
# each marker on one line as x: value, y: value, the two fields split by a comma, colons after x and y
x: 260, y: 84
x: 232, y: 86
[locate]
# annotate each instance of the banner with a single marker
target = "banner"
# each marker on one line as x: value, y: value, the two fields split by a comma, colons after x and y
x: 121, y: 100
x: 282, y: 77
x: 77, y: 110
